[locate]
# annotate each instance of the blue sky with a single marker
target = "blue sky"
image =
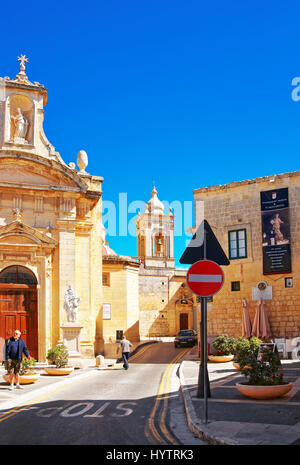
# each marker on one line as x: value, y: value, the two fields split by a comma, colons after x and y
x: 184, y: 93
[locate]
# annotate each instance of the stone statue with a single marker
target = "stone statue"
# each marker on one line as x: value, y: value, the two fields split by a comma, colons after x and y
x: 21, y: 125
x: 71, y: 304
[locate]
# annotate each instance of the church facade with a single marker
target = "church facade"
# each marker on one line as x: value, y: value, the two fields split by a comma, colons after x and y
x: 50, y: 228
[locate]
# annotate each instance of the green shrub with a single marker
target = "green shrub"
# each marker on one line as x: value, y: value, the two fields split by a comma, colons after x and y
x: 58, y: 356
x: 264, y: 372
x: 224, y: 345
x: 246, y: 350
x: 27, y: 365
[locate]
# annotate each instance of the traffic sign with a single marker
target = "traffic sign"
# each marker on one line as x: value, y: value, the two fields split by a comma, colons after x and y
x: 205, y: 278
x: 204, y: 245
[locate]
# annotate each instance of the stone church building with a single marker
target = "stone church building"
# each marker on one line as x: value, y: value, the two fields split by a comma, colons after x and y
x: 146, y: 296
x: 50, y: 228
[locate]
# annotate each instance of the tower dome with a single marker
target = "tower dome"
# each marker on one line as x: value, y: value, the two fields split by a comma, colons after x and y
x: 155, y: 206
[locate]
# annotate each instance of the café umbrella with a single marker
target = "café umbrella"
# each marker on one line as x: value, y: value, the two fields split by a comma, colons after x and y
x: 261, y: 326
x: 246, y: 323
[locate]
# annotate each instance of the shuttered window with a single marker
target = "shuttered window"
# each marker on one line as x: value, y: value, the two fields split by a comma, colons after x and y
x: 237, y: 244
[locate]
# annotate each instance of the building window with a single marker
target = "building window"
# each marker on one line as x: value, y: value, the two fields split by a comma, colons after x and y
x: 105, y: 279
x: 235, y: 286
x: 39, y: 204
x: 288, y: 282
x: 237, y: 244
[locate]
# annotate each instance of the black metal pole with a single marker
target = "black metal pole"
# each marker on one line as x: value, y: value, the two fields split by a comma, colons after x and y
x: 206, y: 380
x: 203, y: 373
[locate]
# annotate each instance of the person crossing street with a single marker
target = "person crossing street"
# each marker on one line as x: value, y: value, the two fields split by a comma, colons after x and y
x: 125, y: 347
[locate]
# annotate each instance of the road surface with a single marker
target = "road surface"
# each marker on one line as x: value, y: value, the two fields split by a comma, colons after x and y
x: 140, y: 406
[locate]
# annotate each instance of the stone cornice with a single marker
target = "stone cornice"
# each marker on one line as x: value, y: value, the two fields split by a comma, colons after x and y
x: 219, y: 187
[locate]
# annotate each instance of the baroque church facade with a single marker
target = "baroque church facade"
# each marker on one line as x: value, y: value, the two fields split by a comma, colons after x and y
x: 50, y: 228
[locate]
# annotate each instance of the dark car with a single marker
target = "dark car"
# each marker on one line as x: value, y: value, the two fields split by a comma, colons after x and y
x: 186, y: 337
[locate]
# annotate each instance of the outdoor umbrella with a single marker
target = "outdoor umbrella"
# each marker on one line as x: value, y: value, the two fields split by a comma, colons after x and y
x: 261, y: 327
x: 246, y: 324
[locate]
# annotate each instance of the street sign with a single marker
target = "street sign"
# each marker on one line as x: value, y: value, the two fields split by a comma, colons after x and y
x: 205, y: 278
x: 204, y: 245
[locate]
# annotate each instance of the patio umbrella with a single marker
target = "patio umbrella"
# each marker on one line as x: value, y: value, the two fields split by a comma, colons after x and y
x: 246, y: 323
x: 261, y: 327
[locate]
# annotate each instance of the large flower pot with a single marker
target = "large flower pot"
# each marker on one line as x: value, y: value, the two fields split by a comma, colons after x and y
x: 54, y: 371
x: 27, y: 378
x: 264, y: 392
x: 220, y: 358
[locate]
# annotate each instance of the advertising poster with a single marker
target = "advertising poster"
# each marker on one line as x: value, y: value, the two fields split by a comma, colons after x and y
x: 276, y: 231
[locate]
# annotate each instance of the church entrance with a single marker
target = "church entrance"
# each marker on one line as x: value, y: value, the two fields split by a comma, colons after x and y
x: 184, y: 321
x: 18, y: 306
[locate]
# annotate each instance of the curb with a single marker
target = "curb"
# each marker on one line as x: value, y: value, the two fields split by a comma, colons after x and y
x: 193, y: 421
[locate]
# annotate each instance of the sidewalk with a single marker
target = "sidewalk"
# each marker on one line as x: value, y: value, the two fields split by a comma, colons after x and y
x: 234, y: 419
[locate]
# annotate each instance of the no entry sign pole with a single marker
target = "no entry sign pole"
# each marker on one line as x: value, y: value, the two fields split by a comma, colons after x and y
x: 205, y: 278
x: 206, y: 390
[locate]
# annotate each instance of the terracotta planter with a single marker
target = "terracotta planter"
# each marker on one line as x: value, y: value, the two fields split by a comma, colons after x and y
x: 54, y: 371
x: 237, y: 367
x: 264, y: 392
x: 220, y: 358
x: 30, y: 378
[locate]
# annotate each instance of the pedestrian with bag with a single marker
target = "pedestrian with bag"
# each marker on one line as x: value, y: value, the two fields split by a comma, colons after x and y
x: 14, y: 349
x: 125, y: 347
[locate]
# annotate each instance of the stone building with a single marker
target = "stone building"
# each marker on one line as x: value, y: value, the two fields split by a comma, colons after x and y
x: 166, y: 304
x: 120, y: 282
x: 50, y: 227
x: 257, y: 224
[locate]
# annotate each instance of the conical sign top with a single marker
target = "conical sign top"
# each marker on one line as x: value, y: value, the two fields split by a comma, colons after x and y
x: 198, y: 249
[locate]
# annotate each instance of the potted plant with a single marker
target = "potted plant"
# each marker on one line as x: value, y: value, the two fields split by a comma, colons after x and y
x: 245, y: 351
x: 27, y: 374
x: 58, y: 356
x: 264, y: 381
x: 224, y: 346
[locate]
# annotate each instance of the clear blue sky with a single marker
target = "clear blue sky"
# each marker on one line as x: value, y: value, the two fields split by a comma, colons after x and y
x: 187, y: 93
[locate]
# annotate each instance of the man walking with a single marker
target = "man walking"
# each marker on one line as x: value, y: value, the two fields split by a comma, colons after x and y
x: 125, y: 346
x: 15, y: 347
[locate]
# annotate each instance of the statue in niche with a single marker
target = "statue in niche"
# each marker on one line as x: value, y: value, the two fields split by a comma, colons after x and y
x: 71, y: 304
x: 21, y: 125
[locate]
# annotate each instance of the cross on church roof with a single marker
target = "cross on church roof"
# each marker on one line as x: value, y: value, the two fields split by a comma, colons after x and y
x: 23, y: 59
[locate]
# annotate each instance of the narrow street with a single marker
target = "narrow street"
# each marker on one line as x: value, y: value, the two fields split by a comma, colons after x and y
x: 141, y: 406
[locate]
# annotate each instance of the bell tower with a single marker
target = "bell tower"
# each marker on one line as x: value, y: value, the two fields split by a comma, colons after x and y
x: 155, y: 234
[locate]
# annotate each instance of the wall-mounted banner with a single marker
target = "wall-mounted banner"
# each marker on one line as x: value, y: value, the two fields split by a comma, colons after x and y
x: 276, y: 231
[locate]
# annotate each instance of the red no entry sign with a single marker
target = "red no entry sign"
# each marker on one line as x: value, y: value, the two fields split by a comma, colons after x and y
x: 205, y: 278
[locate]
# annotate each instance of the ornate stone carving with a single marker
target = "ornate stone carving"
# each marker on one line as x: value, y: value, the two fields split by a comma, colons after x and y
x: 20, y: 126
x: 71, y: 304
x: 82, y: 160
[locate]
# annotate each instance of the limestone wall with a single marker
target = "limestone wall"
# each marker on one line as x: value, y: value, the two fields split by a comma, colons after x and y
x: 237, y: 206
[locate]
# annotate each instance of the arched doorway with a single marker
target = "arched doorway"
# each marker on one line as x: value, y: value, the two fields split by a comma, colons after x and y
x: 18, y: 306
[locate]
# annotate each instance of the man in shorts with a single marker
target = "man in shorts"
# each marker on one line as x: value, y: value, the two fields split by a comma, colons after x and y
x: 15, y: 347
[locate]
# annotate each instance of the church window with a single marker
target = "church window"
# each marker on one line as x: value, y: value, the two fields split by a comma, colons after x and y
x: 105, y: 279
x: 17, y: 275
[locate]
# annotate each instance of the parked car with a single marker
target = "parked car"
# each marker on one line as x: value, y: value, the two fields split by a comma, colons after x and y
x: 186, y: 337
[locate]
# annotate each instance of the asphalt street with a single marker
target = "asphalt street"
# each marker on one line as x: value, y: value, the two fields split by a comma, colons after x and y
x: 141, y: 406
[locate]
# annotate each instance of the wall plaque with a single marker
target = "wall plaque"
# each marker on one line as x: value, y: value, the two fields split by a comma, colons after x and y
x: 276, y: 231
